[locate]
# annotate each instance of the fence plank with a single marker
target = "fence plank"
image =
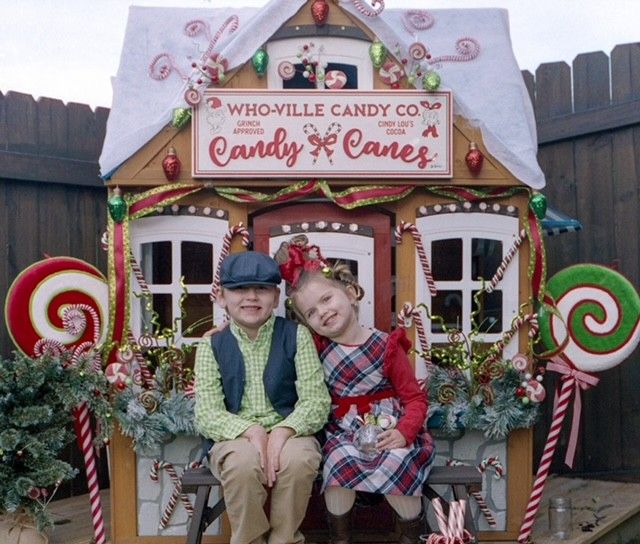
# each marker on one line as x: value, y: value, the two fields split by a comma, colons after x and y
x: 52, y: 127
x: 625, y: 85
x: 602, y: 443
x: 21, y: 116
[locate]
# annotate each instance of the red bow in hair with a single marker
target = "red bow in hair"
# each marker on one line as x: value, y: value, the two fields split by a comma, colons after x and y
x: 301, y: 260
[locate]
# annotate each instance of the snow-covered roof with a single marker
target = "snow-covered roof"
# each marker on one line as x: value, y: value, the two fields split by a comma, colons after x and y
x: 488, y: 90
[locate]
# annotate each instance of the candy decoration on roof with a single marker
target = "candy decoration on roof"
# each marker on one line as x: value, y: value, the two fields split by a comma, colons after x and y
x: 180, y: 117
x: 377, y: 53
x: 117, y: 206
x: 364, y: 9
x: 320, y: 12
x: 474, y: 159
x: 595, y: 326
x: 210, y: 69
x: 171, y: 164
x: 417, y: 19
x: 260, y: 61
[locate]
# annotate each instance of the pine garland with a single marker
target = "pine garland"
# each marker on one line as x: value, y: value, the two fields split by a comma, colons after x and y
x: 37, y: 397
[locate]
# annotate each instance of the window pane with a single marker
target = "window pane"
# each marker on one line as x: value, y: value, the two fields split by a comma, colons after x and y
x: 156, y: 262
x: 197, y: 262
x: 161, y: 305
x: 446, y: 257
x: 489, y: 311
x: 446, y: 305
x: 199, y: 318
x: 486, y: 257
x: 298, y: 81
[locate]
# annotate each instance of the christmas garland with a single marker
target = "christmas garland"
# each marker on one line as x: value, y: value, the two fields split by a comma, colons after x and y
x: 37, y: 398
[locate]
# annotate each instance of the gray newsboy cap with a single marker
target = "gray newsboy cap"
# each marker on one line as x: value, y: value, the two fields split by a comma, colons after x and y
x: 249, y: 268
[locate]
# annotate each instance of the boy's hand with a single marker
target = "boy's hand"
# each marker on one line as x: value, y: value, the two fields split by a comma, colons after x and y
x: 388, y: 440
x: 257, y: 435
x: 277, y: 438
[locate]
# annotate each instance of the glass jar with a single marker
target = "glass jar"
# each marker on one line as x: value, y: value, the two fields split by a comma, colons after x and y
x: 560, y: 517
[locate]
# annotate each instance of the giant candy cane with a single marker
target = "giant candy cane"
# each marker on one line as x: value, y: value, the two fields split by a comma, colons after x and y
x: 422, y: 254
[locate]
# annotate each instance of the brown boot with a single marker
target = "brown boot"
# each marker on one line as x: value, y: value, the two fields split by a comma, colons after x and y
x: 411, y: 529
x: 339, y: 528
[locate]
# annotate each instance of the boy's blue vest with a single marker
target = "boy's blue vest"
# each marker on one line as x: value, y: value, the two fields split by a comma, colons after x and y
x: 279, y: 375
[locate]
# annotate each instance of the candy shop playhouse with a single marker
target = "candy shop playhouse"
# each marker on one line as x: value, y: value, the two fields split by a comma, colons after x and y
x: 401, y: 142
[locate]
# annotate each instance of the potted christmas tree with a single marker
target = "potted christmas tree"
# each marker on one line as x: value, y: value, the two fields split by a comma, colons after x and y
x: 37, y: 399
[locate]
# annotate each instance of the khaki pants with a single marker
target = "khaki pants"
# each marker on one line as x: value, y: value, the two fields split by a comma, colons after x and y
x: 236, y: 464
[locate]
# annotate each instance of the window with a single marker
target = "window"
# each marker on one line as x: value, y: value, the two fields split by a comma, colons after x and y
x: 464, y: 247
x: 347, y: 55
x: 177, y: 254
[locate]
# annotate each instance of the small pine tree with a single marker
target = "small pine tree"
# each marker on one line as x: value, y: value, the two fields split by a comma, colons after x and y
x: 37, y: 397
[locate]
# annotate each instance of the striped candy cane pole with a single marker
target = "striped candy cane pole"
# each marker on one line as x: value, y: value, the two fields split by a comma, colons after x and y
x: 127, y: 358
x: 85, y: 435
x: 441, y: 519
x: 513, y: 251
x: 422, y: 255
x: 366, y: 11
x: 559, y: 412
x: 238, y: 229
x: 495, y: 464
x: 410, y: 315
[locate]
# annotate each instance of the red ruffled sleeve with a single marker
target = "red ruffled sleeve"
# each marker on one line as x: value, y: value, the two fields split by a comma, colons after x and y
x: 397, y: 368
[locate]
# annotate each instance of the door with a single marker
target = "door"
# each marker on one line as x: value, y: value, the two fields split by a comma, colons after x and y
x: 361, y: 238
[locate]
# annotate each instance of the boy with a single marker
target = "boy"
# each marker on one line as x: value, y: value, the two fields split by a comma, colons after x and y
x: 260, y: 396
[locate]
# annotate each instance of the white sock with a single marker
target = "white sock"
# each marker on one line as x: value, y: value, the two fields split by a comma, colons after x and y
x: 407, y: 507
x: 339, y: 500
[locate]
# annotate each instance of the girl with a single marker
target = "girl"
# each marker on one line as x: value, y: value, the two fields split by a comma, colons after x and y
x: 370, y: 378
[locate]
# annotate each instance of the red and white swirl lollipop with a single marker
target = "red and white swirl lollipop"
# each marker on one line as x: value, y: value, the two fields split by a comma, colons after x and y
x: 38, y: 299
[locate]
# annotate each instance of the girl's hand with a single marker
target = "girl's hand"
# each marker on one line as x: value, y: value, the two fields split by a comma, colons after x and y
x: 388, y: 440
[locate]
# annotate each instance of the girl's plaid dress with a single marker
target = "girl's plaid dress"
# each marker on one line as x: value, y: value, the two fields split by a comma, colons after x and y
x: 354, y: 371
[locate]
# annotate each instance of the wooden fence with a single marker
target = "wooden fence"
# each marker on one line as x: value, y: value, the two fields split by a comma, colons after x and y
x: 589, y: 133
x: 589, y: 149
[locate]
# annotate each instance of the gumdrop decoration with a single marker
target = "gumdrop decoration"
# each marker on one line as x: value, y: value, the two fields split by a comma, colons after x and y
x: 171, y: 165
x: 538, y: 203
x: 320, y: 12
x: 377, y: 53
x: 474, y: 159
x: 117, y: 206
x: 260, y: 61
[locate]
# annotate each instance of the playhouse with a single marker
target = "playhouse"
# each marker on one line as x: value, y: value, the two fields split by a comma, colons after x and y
x: 401, y: 142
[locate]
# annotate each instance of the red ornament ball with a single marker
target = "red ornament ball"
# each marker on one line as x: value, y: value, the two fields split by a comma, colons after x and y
x: 320, y: 12
x: 520, y: 392
x: 171, y: 165
x: 474, y: 159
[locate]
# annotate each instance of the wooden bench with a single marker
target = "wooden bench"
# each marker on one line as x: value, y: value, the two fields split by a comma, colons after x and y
x: 462, y: 480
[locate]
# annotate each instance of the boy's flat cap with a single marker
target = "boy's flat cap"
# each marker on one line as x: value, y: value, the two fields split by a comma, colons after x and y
x: 249, y: 268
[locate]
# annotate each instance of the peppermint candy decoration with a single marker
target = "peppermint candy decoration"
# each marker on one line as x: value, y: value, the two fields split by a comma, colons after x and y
x: 117, y: 374
x: 391, y: 72
x: 58, y: 303
x: 598, y: 316
x: 417, y: 51
x: 286, y: 70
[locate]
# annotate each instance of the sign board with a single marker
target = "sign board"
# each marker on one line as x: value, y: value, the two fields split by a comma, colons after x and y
x: 253, y: 133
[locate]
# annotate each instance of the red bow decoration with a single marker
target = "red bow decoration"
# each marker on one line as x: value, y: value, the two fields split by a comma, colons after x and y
x: 300, y: 260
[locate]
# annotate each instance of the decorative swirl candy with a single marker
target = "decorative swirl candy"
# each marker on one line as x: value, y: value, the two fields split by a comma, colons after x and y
x: 598, y: 312
x: 417, y: 51
x: 467, y: 48
x: 286, y: 70
x: 417, y: 19
x: 37, y: 303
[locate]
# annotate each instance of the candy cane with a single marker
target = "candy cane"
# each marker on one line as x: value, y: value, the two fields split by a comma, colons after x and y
x: 422, y: 255
x: 364, y: 9
x: 224, y: 251
x: 146, y: 374
x: 85, y: 436
x: 513, y: 251
x: 406, y: 317
x: 177, y: 489
x: 137, y: 272
x: 560, y: 411
x: 499, y: 346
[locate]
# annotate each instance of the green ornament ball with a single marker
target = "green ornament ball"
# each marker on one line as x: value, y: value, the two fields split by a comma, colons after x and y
x: 180, y: 117
x: 377, y: 53
x: 260, y: 61
x: 117, y: 206
x: 538, y: 204
x: 431, y: 81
